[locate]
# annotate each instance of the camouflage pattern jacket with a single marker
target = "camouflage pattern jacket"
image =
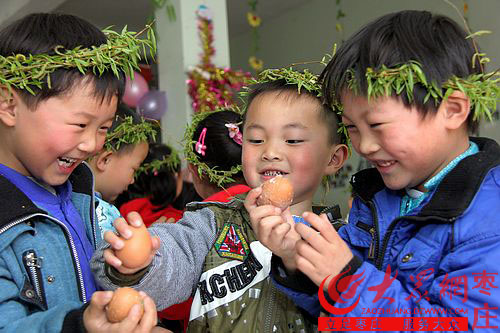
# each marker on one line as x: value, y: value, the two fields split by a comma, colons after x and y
x: 213, y: 253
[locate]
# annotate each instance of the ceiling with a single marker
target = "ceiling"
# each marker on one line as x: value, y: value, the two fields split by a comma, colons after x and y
x: 135, y: 13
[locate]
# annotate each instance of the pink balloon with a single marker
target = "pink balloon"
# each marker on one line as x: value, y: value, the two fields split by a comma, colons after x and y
x: 134, y: 89
x: 153, y: 105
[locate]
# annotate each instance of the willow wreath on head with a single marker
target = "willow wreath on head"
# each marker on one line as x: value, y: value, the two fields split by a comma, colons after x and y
x: 121, y: 53
x: 215, y: 175
x: 303, y: 80
x: 130, y: 133
x: 172, y: 163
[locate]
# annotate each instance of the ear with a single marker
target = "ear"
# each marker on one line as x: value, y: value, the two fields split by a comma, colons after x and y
x: 455, y: 110
x: 8, y: 106
x: 338, y: 157
x: 193, y: 170
x: 102, y: 160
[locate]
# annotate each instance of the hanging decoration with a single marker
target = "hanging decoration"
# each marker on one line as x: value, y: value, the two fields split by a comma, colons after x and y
x: 169, y: 8
x: 211, y: 87
x: 254, y: 20
x: 338, y: 25
x: 466, y: 12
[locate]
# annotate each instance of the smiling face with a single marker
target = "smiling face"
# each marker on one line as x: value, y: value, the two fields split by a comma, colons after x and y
x: 284, y: 135
x: 406, y: 148
x: 49, y: 142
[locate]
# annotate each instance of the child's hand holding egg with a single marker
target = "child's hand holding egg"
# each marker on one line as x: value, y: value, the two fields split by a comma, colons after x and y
x: 136, y: 249
x: 123, y: 300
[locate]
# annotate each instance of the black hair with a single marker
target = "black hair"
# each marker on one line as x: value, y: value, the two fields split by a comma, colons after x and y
x: 122, y: 113
x: 188, y: 194
x: 160, y: 186
x: 437, y: 42
x: 40, y: 34
x: 327, y: 114
x: 221, y: 151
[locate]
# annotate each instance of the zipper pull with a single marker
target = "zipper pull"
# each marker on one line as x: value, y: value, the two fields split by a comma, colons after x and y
x: 371, y: 250
x: 33, y: 261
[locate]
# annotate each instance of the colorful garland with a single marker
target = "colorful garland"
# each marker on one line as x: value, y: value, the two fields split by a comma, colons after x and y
x: 211, y: 87
x: 254, y: 21
x: 340, y: 15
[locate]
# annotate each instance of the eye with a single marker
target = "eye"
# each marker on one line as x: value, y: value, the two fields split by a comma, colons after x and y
x: 349, y: 127
x: 104, y: 128
x: 81, y: 125
x: 294, y: 142
x: 375, y: 125
x: 255, y: 141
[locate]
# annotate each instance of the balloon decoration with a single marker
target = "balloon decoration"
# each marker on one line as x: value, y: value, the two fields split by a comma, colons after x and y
x: 135, y: 89
x: 209, y: 86
x: 153, y: 104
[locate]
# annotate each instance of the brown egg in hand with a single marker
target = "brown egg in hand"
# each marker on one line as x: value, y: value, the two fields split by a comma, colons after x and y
x: 136, y: 250
x: 122, y: 301
x: 277, y: 191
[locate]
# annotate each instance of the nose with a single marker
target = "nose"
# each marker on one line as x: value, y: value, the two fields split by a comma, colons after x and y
x: 367, y: 145
x: 90, y: 143
x: 271, y: 152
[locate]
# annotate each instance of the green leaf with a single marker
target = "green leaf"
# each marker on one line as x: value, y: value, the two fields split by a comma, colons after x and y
x: 478, y: 33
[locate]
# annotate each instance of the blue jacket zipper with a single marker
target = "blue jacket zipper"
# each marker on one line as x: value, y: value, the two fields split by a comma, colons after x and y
x: 81, y: 287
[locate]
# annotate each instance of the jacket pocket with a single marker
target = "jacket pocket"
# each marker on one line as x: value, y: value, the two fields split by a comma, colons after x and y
x: 417, y: 263
x: 33, y: 290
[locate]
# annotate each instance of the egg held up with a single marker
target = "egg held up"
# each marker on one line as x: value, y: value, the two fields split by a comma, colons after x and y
x: 136, y: 249
x: 122, y: 301
x: 277, y: 191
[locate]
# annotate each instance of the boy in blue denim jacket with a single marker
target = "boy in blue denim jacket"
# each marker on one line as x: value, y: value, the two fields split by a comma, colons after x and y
x: 50, y: 122
x: 422, y: 239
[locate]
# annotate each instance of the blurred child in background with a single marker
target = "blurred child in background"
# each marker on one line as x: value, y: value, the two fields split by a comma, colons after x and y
x: 159, y: 182
x: 114, y: 166
x: 216, y: 153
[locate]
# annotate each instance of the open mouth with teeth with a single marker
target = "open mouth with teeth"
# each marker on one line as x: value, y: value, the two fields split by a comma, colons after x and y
x: 385, y: 163
x: 66, y: 162
x: 273, y: 173
x: 384, y: 166
x: 268, y: 174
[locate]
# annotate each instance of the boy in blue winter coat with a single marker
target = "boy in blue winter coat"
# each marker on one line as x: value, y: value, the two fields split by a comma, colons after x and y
x: 422, y: 239
x: 53, y: 117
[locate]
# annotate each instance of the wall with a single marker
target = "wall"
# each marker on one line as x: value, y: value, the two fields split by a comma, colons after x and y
x: 308, y: 32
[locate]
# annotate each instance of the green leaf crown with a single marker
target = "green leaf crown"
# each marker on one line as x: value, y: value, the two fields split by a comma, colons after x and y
x: 130, y: 133
x: 215, y: 176
x: 171, y: 163
x: 482, y: 89
x: 121, y: 53
x: 303, y: 80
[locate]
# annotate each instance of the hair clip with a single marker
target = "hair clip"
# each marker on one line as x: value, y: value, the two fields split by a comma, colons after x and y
x: 234, y: 133
x: 200, y: 145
